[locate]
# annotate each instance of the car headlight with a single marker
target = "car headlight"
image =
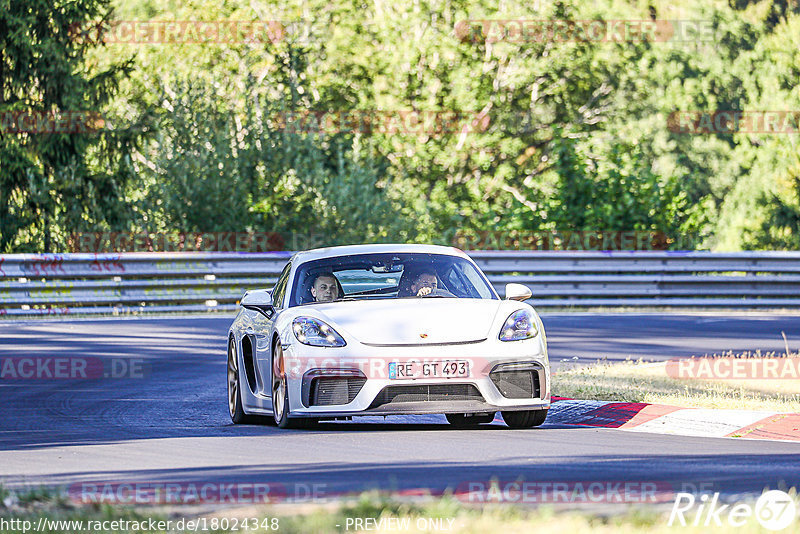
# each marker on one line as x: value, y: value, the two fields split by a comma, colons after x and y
x: 519, y: 325
x: 316, y: 333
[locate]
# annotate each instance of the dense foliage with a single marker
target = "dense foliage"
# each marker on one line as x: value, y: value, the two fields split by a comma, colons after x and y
x: 553, y: 134
x: 53, y: 182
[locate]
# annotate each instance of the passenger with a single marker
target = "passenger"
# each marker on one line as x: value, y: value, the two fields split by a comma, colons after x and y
x: 325, y: 288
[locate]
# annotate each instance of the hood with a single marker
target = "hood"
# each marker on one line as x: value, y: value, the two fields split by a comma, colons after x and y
x: 412, y: 321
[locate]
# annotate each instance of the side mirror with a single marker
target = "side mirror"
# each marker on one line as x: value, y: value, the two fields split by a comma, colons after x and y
x: 259, y: 300
x: 518, y: 292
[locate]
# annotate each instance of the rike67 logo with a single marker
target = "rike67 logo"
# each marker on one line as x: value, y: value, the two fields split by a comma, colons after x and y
x: 774, y: 510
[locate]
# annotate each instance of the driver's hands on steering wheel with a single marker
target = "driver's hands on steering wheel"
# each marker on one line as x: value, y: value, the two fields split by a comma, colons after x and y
x: 425, y: 290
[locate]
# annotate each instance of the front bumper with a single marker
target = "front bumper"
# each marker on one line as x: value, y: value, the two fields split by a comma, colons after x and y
x: 371, y: 363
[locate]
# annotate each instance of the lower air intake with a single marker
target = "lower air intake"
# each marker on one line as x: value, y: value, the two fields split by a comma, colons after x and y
x: 427, y: 393
x: 329, y: 391
x: 520, y: 384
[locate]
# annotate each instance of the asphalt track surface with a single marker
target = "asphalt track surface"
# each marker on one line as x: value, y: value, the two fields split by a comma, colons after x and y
x: 172, y: 424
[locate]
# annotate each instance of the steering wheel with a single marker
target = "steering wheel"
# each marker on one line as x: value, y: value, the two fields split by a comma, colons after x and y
x: 440, y: 293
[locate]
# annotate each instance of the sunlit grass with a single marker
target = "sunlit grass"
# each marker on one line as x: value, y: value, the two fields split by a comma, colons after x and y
x: 639, y: 381
x: 425, y: 515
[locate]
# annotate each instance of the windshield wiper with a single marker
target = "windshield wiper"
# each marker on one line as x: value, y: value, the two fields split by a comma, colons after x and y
x: 354, y: 298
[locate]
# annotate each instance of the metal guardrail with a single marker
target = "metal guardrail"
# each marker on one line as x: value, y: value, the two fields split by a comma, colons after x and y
x: 63, y: 284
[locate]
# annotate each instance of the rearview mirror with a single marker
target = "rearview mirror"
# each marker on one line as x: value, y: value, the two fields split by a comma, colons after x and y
x: 518, y: 292
x: 383, y: 268
x: 259, y: 300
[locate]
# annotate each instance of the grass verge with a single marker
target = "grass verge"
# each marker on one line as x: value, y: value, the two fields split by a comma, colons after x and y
x: 640, y: 381
x: 374, y: 511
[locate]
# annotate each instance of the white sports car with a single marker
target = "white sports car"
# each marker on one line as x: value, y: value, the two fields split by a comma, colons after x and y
x: 387, y: 330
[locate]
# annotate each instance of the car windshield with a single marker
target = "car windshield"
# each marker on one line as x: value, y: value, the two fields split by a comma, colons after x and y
x: 388, y: 276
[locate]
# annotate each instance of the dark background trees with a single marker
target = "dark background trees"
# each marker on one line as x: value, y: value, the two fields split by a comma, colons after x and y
x: 57, y: 182
x: 577, y: 136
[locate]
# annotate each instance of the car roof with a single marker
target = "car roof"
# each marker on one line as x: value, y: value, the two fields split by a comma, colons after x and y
x: 350, y: 250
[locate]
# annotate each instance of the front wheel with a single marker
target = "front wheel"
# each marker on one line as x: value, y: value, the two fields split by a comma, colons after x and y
x: 235, y: 409
x: 525, y: 419
x: 280, y: 395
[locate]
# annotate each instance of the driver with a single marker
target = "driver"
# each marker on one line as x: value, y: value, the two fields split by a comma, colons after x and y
x: 424, y: 284
x: 325, y: 288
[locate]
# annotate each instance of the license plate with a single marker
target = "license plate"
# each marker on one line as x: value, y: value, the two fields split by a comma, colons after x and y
x: 429, y: 369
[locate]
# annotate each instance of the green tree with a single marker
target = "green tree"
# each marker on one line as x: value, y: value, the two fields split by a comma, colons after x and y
x: 52, y: 184
x: 208, y: 169
x: 577, y: 137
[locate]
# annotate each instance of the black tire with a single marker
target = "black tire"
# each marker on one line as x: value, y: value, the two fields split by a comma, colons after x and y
x: 460, y: 420
x: 525, y: 419
x: 280, y: 396
x: 235, y: 409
